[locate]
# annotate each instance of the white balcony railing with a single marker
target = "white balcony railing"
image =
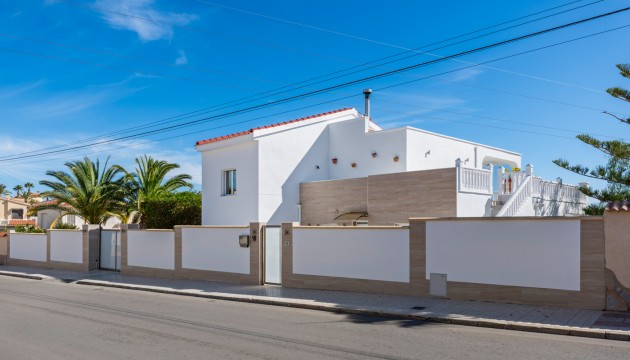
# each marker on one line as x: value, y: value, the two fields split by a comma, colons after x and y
x: 478, y: 181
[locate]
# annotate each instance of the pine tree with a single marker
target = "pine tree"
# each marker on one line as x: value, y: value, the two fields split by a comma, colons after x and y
x: 616, y: 172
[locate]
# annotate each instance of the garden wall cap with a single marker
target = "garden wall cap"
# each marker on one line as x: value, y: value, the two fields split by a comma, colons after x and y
x: 618, y: 206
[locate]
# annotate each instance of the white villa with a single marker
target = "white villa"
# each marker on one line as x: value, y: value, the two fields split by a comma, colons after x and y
x: 332, y: 163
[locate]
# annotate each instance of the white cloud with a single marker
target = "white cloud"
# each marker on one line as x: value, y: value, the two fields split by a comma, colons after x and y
x: 160, y: 28
x: 182, y: 59
x: 462, y: 75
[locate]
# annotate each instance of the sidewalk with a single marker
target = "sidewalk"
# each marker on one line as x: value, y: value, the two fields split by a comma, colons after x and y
x: 543, y: 319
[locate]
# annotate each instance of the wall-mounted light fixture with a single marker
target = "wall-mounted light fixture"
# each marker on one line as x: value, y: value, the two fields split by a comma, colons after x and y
x: 374, y: 154
x: 317, y: 167
x: 334, y: 161
x: 426, y: 154
x: 396, y: 158
x: 353, y: 165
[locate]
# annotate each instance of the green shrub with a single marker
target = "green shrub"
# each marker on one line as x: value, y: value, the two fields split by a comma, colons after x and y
x: 63, y: 226
x: 182, y: 208
x: 595, y: 209
x: 30, y: 229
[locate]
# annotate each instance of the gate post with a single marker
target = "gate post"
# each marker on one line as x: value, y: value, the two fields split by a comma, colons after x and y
x: 91, y: 246
x: 256, y: 258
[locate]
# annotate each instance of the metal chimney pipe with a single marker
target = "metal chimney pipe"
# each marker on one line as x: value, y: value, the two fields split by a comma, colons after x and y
x: 367, y: 93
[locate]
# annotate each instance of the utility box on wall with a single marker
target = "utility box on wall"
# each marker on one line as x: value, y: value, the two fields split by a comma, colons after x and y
x: 437, y: 285
x: 243, y: 240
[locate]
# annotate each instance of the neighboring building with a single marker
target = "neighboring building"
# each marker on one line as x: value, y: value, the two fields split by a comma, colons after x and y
x: 13, y: 208
x: 255, y: 175
x: 45, y: 217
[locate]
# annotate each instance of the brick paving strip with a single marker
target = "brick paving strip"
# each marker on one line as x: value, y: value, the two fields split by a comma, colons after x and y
x: 540, y: 319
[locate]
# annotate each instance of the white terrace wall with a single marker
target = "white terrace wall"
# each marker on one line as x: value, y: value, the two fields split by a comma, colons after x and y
x: 542, y: 254
x: 209, y: 253
x: 151, y: 249
x: 30, y: 247
x: 545, y: 261
x: 374, y: 259
x: 66, y: 246
x: 555, y: 261
x: 74, y: 250
x: 215, y: 249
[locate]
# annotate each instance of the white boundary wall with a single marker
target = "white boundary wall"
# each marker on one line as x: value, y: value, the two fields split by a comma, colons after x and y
x: 372, y: 254
x: 151, y: 248
x: 541, y: 254
x: 28, y: 246
x: 66, y: 246
x: 215, y: 249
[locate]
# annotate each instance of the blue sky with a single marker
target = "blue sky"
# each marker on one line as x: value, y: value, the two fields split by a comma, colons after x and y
x: 77, y: 70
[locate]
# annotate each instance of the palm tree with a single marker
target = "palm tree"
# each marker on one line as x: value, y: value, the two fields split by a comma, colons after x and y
x: 3, y: 190
x: 17, y: 189
x: 150, y: 182
x: 87, y: 191
x: 29, y: 186
x: 27, y: 194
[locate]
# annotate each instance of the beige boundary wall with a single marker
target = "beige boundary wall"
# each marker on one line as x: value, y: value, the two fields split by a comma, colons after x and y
x: 194, y: 253
x: 580, y: 286
x: 74, y: 250
x: 4, y: 244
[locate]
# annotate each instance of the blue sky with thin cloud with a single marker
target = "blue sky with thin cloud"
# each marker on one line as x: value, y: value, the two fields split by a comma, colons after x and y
x: 86, y: 72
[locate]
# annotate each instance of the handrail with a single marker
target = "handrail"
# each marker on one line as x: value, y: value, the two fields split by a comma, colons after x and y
x: 517, y: 199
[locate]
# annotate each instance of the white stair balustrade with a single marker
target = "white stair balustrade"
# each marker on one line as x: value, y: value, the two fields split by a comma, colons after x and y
x: 518, y: 198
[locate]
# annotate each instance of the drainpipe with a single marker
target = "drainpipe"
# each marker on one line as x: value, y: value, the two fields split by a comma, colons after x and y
x: 367, y: 93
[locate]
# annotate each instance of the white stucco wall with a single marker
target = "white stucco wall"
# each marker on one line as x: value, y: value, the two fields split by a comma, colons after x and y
x: 359, y: 253
x: 151, y: 248
x: 286, y: 159
x: 350, y: 142
x: 427, y: 150
x: 540, y: 254
x: 242, y: 207
x: 66, y: 246
x: 215, y: 249
x: 272, y: 162
x: 473, y: 205
x: 28, y: 246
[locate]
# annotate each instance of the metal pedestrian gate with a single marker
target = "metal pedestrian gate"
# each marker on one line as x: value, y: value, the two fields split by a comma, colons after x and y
x: 110, y: 253
x: 273, y: 255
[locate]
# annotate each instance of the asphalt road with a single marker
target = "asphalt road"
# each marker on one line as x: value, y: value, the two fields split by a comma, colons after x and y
x: 53, y: 320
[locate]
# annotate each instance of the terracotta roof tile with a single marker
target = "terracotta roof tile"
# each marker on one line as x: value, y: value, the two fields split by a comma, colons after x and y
x: 17, y: 222
x: 618, y: 206
x: 242, y: 133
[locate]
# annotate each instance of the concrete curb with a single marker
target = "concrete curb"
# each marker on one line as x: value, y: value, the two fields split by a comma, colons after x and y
x: 22, y: 275
x: 301, y: 304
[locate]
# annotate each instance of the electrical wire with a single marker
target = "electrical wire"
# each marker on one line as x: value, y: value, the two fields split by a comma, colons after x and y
x: 338, y: 86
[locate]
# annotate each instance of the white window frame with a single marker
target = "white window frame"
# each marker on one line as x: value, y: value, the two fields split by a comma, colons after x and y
x: 225, y: 191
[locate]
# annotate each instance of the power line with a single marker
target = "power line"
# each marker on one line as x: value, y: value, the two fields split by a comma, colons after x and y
x: 417, y: 50
x: 475, y: 124
x: 271, y: 92
x: 338, y: 86
x: 492, y: 118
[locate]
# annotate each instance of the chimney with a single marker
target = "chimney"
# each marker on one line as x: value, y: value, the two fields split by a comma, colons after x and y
x: 367, y: 93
